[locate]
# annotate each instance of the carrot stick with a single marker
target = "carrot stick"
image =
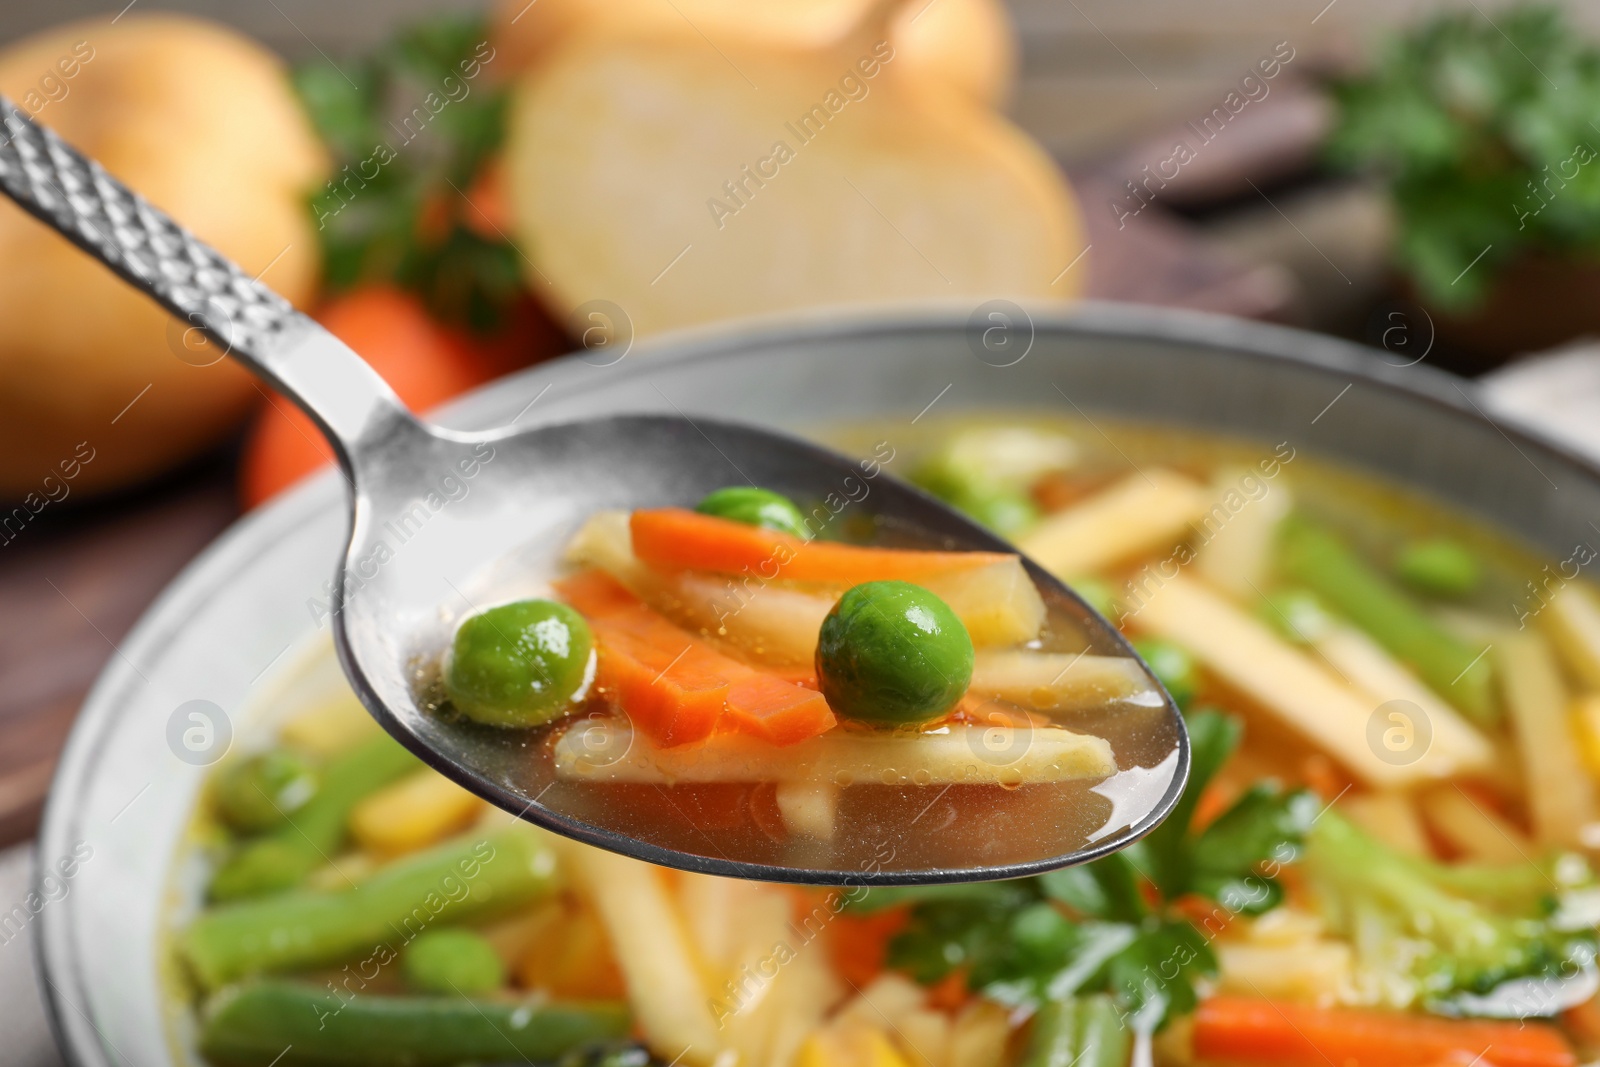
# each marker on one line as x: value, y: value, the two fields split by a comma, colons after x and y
x: 676, y: 687
x: 677, y: 538
x: 1247, y: 1030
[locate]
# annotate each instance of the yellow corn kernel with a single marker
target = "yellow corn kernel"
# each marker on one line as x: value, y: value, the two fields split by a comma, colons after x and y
x: 414, y: 812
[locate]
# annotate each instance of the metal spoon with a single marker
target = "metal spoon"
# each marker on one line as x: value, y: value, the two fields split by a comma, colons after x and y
x: 443, y: 522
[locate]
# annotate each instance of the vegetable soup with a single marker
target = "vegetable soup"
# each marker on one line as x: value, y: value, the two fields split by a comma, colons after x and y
x: 1382, y: 854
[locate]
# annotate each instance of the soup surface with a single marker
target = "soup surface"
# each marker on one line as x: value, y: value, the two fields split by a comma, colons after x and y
x: 1383, y: 854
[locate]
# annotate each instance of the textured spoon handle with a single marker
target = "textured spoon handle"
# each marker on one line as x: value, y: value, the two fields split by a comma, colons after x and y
x: 74, y: 194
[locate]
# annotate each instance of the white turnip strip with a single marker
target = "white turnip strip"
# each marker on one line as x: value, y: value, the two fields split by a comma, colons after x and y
x: 1478, y: 833
x: 1145, y: 512
x: 1060, y: 681
x: 956, y: 755
x: 1572, y: 619
x: 658, y: 965
x: 1299, y: 690
x: 1561, y: 799
x: 1370, y: 668
x: 762, y: 981
x: 1236, y: 535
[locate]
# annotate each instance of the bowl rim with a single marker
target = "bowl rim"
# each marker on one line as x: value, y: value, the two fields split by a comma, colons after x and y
x: 203, y: 578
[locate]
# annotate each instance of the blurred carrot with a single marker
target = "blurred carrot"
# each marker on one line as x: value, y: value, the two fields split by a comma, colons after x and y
x: 488, y: 209
x: 859, y: 944
x: 1584, y: 1021
x: 1249, y: 1030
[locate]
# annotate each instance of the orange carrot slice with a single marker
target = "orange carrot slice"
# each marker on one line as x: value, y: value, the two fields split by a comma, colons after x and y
x: 676, y: 687
x: 783, y: 713
x: 1248, y: 1030
x: 677, y: 538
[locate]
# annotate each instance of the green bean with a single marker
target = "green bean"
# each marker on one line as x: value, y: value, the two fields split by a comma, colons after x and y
x: 1296, y: 614
x: 1316, y: 558
x: 1078, y: 1032
x: 1439, y: 568
x: 282, y: 859
x: 457, y: 881
x: 452, y: 961
x: 298, y: 1025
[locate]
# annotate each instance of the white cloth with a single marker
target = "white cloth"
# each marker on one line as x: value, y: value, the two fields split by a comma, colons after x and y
x: 1556, y: 393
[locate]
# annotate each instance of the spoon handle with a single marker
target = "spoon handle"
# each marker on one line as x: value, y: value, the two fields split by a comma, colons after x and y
x: 76, y: 197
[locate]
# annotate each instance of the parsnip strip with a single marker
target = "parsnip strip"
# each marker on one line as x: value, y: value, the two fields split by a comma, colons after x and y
x: 809, y: 808
x: 1300, y: 691
x: 1316, y: 971
x: 1143, y: 513
x: 1561, y: 797
x: 1048, y: 681
x: 664, y: 989
x: 1391, y: 818
x: 960, y: 755
x: 1572, y: 619
x: 1235, y: 552
x: 979, y: 1035
x: 998, y: 604
x: 1370, y: 668
x: 1479, y: 833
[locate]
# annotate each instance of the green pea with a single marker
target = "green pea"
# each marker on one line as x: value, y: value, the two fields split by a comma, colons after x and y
x: 452, y: 961
x: 520, y: 664
x: 260, y: 791
x: 1438, y: 568
x: 892, y: 654
x: 755, y: 507
x: 1172, y: 666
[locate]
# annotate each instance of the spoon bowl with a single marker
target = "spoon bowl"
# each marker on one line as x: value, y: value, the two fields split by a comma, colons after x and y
x: 444, y: 523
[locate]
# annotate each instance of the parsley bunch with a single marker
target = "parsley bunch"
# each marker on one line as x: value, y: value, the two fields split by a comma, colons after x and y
x: 1485, y: 134
x: 1112, y: 926
x: 410, y: 126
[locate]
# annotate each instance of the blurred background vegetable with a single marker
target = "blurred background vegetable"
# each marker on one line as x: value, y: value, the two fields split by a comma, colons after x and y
x: 201, y: 121
x: 1482, y: 131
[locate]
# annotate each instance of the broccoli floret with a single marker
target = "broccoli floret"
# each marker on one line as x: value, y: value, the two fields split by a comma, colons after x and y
x: 1446, y: 936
